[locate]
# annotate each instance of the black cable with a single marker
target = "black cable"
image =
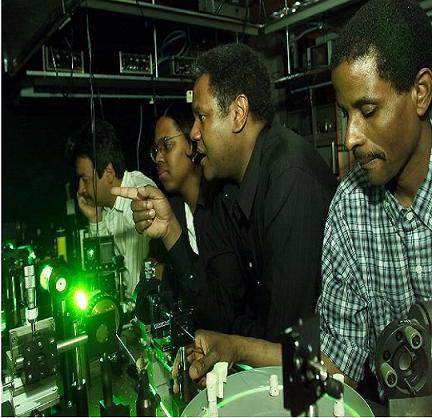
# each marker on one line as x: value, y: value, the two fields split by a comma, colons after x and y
x: 139, y: 138
x: 70, y: 46
x: 220, y: 7
x: 93, y: 120
x: 140, y: 9
x: 100, y: 104
x: 262, y: 2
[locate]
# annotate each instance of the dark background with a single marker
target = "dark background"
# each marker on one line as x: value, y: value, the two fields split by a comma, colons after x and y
x: 35, y: 131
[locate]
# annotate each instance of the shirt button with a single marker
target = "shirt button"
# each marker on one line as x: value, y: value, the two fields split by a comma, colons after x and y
x: 419, y: 269
x: 409, y: 215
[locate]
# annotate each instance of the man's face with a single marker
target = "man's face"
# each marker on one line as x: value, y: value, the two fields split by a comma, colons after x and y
x: 86, y: 187
x: 382, y: 127
x: 213, y: 133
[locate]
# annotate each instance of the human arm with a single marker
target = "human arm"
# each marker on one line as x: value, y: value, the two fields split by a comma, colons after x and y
x: 342, y: 305
x: 88, y: 209
x: 152, y: 213
x: 210, y: 283
x: 332, y: 369
x: 211, y: 347
x: 294, y: 210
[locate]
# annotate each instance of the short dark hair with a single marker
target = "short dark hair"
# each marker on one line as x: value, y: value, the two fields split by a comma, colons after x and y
x: 181, y: 114
x: 108, y: 147
x: 235, y: 69
x: 398, y: 32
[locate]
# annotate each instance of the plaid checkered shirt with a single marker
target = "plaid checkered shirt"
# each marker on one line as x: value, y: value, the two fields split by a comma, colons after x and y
x: 376, y: 263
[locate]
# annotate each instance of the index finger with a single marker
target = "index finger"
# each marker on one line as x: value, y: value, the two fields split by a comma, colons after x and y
x: 128, y: 192
x: 176, y: 365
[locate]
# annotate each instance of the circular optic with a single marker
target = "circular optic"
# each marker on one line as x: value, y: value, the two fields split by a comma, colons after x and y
x: 405, y: 361
x: 45, y: 276
x: 102, y: 302
x: 61, y: 284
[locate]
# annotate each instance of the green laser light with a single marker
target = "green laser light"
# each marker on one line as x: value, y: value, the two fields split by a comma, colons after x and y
x: 81, y: 299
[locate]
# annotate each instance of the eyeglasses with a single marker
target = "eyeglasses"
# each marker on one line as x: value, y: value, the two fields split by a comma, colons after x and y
x: 163, y: 146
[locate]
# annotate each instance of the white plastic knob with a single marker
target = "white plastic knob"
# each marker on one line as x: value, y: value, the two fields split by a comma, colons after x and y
x: 212, y: 386
x: 274, y: 385
x: 221, y: 370
x: 212, y: 409
x: 338, y: 408
x: 211, y: 382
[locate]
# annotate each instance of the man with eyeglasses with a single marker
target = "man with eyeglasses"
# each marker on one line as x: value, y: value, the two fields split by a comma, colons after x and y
x: 107, y: 214
x: 264, y: 244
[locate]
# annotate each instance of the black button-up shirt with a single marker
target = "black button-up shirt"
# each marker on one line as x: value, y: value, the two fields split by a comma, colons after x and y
x: 260, y: 271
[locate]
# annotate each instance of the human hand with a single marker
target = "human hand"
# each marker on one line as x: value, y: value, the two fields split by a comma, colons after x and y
x: 152, y: 213
x: 88, y: 209
x: 208, y: 349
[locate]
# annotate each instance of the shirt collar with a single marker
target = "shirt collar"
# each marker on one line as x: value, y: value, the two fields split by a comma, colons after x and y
x: 249, y: 184
x: 122, y: 203
x: 422, y: 205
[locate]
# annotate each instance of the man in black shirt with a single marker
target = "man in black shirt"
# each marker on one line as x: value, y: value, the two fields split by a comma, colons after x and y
x: 261, y: 269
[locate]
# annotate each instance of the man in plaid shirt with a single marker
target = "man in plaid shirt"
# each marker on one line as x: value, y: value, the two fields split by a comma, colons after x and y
x: 377, y: 250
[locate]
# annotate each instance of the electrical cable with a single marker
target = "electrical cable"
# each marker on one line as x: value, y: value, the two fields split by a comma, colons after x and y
x: 221, y: 3
x: 134, y: 361
x: 266, y: 17
x: 171, y: 38
x: 100, y: 104
x: 93, y: 120
x: 139, y: 138
x: 54, y: 61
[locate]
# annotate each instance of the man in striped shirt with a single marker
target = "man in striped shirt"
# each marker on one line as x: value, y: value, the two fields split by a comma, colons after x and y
x: 107, y: 214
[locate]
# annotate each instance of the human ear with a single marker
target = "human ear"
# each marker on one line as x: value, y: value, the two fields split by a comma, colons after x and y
x: 423, y: 91
x: 109, y: 173
x: 192, y: 148
x: 240, y: 107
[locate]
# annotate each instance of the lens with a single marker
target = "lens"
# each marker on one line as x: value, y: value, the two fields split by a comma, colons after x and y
x: 153, y: 152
